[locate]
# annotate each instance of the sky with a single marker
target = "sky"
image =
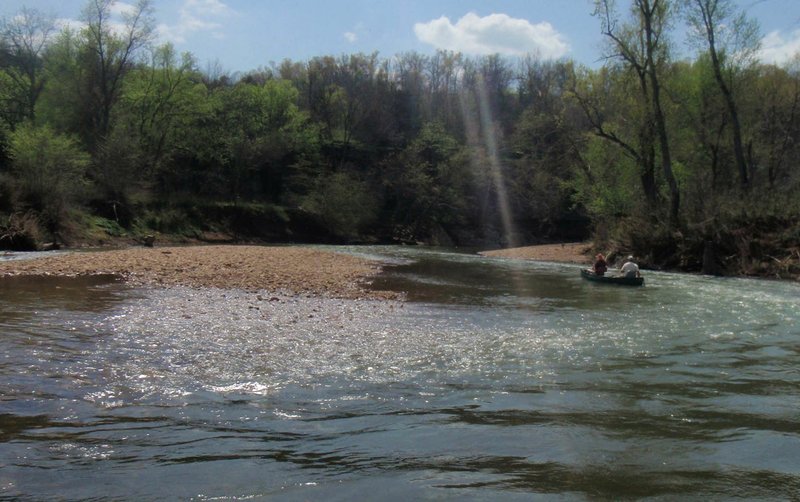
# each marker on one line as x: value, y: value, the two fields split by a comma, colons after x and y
x: 243, y: 35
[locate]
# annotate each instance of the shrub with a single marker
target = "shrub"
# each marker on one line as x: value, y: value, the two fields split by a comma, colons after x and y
x: 47, y: 174
x: 19, y: 232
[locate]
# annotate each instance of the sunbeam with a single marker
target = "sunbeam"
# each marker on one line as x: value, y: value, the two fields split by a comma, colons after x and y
x: 481, y: 130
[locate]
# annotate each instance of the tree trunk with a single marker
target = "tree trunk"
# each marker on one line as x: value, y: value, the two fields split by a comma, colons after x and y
x: 666, y: 158
x: 727, y: 94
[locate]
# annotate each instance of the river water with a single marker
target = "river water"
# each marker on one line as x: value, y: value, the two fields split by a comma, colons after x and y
x: 496, y: 379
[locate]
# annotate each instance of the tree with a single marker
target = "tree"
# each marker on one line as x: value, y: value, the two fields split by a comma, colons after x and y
x: 108, y: 56
x: 444, y: 75
x: 158, y: 98
x: 246, y: 141
x: 24, y: 40
x: 654, y: 15
x: 731, y: 40
x: 345, y: 204
x: 348, y: 101
x: 48, y: 172
x: 778, y: 126
x: 411, y: 96
x: 496, y: 76
x: 544, y: 146
x: 641, y: 47
x: 427, y: 184
x: 626, y: 48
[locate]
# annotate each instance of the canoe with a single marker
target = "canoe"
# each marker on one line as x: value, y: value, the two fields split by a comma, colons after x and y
x: 612, y: 279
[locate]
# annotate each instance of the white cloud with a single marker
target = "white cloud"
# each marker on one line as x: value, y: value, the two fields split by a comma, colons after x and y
x: 495, y: 33
x: 350, y: 36
x: 196, y: 16
x: 121, y: 8
x: 114, y: 24
x: 777, y: 49
x: 207, y: 7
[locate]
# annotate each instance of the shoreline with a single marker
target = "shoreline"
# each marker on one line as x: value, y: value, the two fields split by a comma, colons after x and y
x: 282, y: 269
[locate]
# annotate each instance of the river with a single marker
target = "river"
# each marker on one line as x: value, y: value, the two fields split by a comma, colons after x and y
x: 495, y: 379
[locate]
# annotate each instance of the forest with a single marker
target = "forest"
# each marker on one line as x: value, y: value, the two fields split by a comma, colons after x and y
x: 689, y: 162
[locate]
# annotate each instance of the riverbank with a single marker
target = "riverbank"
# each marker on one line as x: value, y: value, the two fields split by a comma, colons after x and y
x: 283, y: 269
x: 568, y: 252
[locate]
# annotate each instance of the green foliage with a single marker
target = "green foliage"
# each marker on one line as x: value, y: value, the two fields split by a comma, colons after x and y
x: 48, y: 171
x: 23, y: 39
x: 608, y: 189
x: 247, y: 140
x: 427, y: 182
x: 62, y: 101
x: 105, y: 227
x: 160, y: 101
x: 546, y: 158
x: 105, y: 55
x: 11, y: 112
x: 345, y: 204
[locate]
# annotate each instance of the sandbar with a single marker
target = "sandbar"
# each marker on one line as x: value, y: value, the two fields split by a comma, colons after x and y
x: 284, y: 269
x: 568, y: 252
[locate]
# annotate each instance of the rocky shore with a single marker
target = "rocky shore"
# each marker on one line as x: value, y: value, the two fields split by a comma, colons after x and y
x: 289, y: 269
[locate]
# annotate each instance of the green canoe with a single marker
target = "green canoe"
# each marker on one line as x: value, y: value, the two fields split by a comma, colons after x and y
x: 612, y: 279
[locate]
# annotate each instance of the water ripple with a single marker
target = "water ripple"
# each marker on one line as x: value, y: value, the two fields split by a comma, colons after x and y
x: 498, y: 379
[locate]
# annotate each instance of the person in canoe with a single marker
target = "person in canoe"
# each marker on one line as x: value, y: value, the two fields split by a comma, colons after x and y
x: 600, y: 266
x: 629, y: 268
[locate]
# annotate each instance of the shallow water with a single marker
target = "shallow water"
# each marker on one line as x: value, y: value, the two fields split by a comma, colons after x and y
x: 496, y: 379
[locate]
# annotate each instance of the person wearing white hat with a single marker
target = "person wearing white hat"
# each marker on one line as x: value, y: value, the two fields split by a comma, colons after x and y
x: 629, y: 268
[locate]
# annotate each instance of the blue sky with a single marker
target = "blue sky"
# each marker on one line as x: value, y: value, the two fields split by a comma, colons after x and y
x: 244, y: 35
